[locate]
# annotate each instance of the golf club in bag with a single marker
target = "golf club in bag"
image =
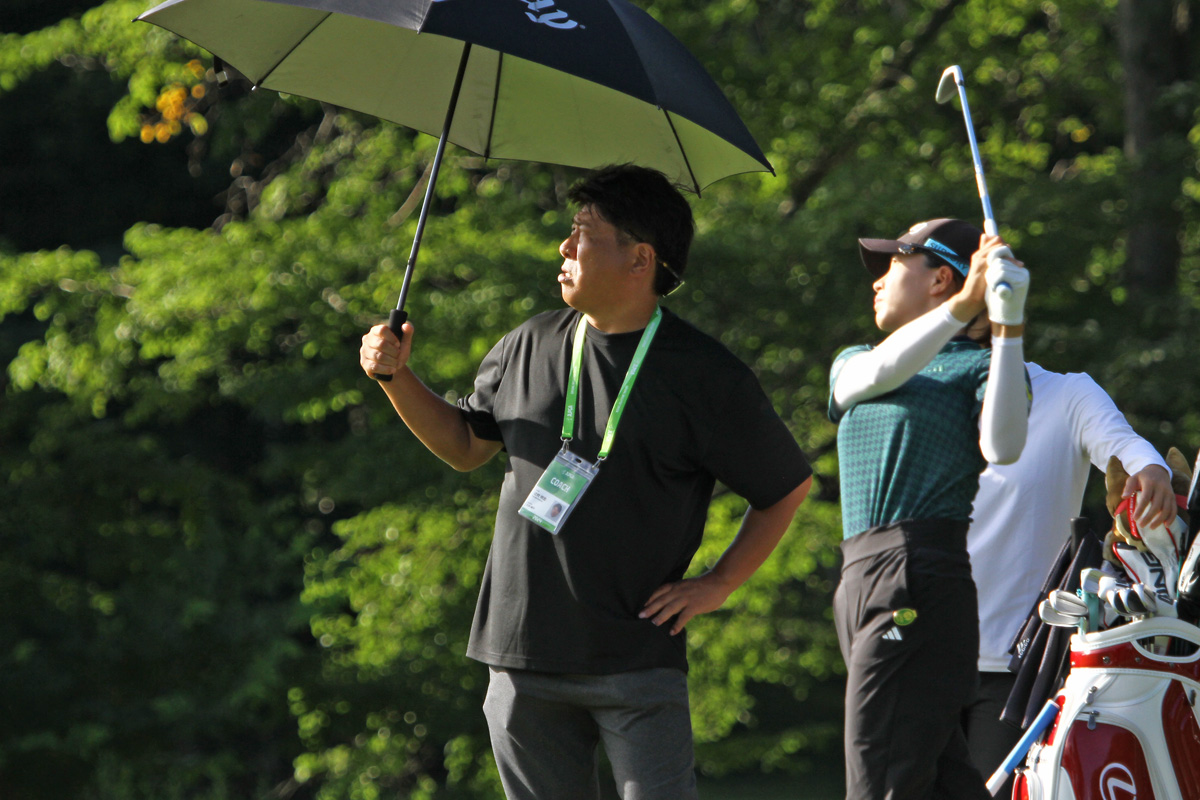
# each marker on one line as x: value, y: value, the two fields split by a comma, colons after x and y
x: 1188, y: 595
x: 950, y: 84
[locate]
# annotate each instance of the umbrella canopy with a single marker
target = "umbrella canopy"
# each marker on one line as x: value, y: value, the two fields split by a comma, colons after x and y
x: 575, y: 82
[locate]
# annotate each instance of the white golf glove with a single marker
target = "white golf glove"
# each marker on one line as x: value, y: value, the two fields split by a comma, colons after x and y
x: 1008, y: 284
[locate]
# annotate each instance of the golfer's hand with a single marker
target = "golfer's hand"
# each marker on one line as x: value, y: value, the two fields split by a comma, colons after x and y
x: 971, y: 299
x: 382, y: 353
x: 684, y: 600
x: 1155, y: 497
x: 1007, y: 307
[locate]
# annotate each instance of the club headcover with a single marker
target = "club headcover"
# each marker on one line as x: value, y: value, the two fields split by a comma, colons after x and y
x: 1149, y: 580
x: 1144, y: 567
x: 1160, y: 540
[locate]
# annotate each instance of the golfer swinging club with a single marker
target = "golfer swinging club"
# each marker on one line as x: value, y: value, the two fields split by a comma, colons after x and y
x: 623, y: 416
x: 912, y: 440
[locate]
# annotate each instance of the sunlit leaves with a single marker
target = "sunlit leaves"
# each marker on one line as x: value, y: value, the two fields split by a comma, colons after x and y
x: 399, y: 593
x: 184, y: 417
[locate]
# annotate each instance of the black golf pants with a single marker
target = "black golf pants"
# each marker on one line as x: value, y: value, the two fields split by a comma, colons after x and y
x: 908, y: 676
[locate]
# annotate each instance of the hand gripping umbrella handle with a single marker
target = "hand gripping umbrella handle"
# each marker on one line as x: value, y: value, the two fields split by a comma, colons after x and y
x: 396, y: 320
x: 399, y: 316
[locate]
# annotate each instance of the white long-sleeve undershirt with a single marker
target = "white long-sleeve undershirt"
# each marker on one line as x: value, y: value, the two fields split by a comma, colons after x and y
x: 1004, y: 418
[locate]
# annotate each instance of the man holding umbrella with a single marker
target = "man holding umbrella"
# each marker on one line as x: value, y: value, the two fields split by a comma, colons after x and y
x: 623, y: 416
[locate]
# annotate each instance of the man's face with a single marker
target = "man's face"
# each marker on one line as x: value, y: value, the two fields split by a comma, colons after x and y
x: 597, y: 259
x: 903, y: 293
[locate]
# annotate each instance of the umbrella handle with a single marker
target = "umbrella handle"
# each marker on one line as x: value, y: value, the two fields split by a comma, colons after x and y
x: 396, y: 320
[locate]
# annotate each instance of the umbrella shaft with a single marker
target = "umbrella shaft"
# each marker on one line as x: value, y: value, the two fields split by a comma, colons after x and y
x: 433, y: 176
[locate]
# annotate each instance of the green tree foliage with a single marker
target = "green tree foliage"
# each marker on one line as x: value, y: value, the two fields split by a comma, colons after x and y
x: 228, y: 570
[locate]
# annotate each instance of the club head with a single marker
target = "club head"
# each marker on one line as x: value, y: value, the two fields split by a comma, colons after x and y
x: 1155, y: 606
x: 948, y: 85
x: 1067, y: 603
x: 1188, y: 584
x: 1115, y: 599
x: 1090, y: 578
x: 1052, y: 616
x: 1140, y: 600
x: 1098, y: 582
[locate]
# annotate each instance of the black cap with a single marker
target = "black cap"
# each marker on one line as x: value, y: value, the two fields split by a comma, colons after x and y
x: 949, y: 241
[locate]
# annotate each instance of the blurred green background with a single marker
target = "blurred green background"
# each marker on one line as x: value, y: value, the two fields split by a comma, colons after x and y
x: 226, y: 568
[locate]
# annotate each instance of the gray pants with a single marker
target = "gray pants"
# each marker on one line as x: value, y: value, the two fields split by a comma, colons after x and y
x: 545, y: 731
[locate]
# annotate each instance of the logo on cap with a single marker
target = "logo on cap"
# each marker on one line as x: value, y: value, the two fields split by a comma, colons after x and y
x: 953, y: 258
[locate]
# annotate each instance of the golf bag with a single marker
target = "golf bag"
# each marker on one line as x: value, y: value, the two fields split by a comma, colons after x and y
x: 1128, y: 727
x: 1124, y: 725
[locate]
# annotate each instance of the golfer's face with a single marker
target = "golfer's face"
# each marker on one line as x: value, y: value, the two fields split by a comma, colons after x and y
x: 903, y: 292
x: 596, y: 263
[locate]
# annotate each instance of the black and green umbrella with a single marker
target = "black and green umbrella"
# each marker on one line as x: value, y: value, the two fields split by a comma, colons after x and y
x: 581, y: 83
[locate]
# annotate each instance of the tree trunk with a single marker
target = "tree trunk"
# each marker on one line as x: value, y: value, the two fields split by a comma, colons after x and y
x: 1153, y: 37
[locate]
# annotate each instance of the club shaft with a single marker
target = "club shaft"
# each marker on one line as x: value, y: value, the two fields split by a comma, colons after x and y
x: 989, y: 219
x: 433, y: 176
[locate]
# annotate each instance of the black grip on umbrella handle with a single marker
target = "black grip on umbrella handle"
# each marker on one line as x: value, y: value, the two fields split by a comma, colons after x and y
x: 396, y: 320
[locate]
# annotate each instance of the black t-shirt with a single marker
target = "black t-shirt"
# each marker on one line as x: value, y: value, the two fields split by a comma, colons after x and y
x: 569, y: 602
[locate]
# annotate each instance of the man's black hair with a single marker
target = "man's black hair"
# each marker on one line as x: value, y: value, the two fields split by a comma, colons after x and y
x: 643, y: 204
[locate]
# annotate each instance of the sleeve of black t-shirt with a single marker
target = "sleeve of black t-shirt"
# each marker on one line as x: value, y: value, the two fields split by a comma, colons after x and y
x: 478, y: 408
x: 751, y: 451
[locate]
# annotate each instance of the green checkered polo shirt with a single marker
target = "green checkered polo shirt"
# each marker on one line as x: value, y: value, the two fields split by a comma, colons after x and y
x: 913, y: 453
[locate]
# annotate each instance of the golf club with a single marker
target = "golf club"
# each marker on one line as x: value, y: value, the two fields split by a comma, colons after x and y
x: 1098, y: 582
x: 1118, y: 600
x: 952, y: 79
x: 1067, y: 603
x: 1188, y: 584
x: 1052, y: 616
x: 1095, y: 585
x: 1193, y: 507
x: 1151, y: 602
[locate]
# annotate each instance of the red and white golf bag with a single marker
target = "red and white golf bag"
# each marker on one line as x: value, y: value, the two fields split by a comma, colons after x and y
x: 1128, y: 727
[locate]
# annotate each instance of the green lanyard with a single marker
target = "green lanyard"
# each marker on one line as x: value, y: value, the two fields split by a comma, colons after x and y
x: 614, y: 416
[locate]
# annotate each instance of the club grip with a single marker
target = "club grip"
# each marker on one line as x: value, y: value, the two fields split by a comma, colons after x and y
x: 396, y: 320
x: 1040, y: 723
x: 1002, y: 289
